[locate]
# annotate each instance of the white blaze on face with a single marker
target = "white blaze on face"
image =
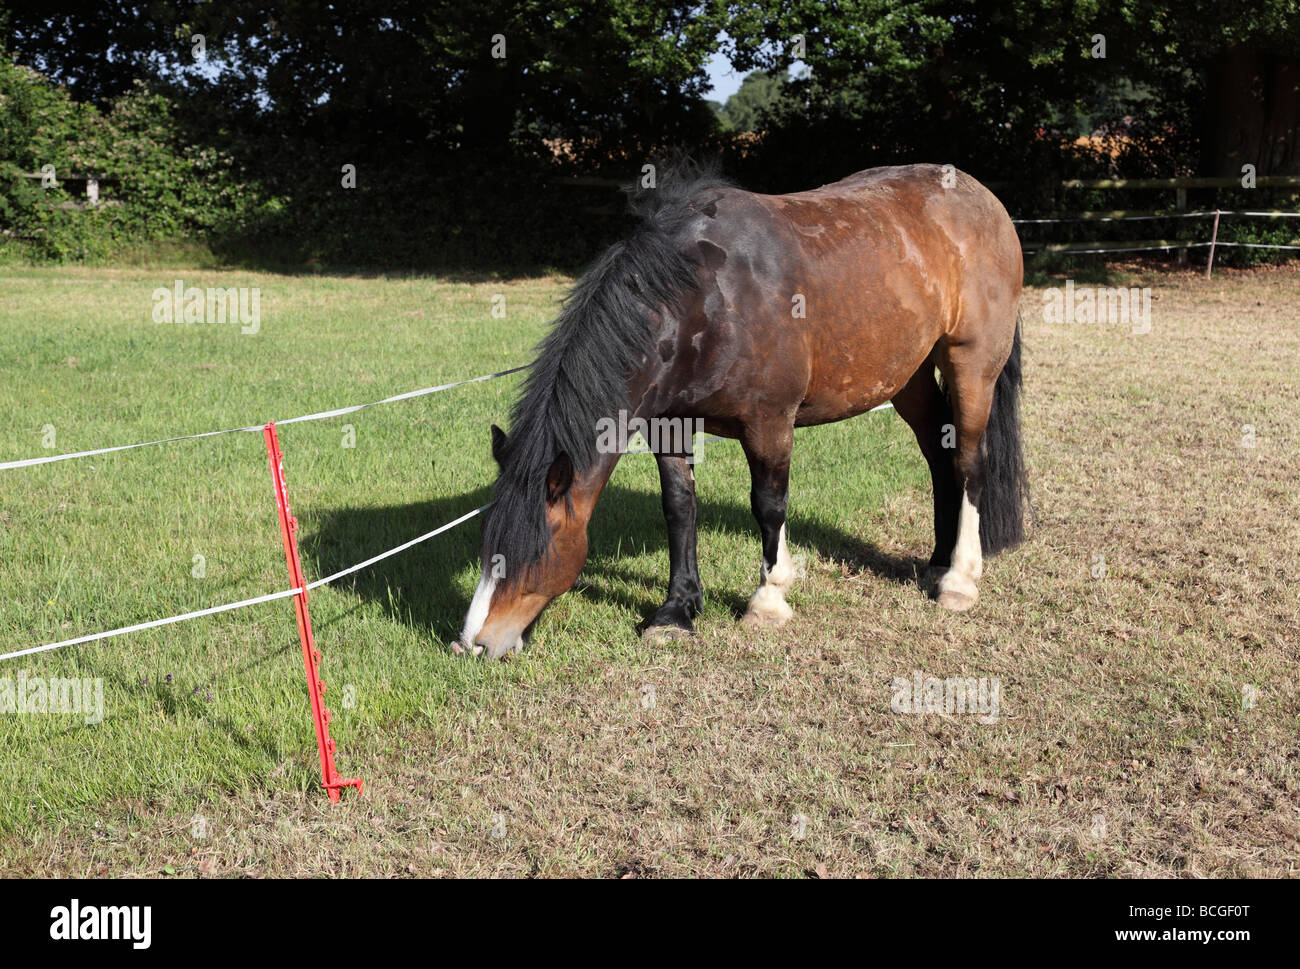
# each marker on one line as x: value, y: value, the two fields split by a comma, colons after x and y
x: 478, y: 609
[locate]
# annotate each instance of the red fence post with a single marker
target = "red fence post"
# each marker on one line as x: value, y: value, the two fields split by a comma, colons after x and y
x: 320, y: 714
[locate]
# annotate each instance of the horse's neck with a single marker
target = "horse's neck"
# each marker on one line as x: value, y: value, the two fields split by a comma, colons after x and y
x: 588, y: 485
x: 591, y: 483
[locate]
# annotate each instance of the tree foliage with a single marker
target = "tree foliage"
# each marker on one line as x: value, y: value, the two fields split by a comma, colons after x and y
x: 749, y: 107
x: 463, y: 120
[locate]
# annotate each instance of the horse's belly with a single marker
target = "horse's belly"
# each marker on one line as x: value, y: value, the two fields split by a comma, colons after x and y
x: 828, y: 405
x: 854, y: 374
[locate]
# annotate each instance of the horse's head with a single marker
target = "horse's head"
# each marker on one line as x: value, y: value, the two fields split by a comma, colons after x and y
x: 517, y: 583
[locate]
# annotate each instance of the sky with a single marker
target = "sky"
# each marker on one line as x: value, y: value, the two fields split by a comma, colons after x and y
x: 724, y: 79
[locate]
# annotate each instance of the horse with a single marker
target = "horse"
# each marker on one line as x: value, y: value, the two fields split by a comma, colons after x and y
x: 752, y: 315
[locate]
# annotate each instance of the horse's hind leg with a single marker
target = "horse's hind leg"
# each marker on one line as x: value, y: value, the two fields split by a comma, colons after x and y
x: 685, y: 599
x: 767, y: 449
x: 964, y: 368
x: 922, y: 404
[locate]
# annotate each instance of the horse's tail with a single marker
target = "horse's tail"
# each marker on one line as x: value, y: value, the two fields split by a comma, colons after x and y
x: 1004, y: 500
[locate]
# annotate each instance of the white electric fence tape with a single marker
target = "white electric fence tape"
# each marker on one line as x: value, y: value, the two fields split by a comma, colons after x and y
x: 28, y: 462
x: 244, y: 602
x: 93, y: 637
x: 270, y: 597
x: 393, y: 551
x: 154, y: 622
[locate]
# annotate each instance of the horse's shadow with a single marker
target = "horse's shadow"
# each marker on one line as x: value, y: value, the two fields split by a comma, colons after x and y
x: 419, y: 586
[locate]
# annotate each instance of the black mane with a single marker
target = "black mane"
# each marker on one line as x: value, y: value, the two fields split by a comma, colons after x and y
x: 604, y: 330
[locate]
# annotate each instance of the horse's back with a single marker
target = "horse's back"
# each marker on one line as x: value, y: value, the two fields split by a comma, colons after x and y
x: 842, y: 291
x: 878, y: 202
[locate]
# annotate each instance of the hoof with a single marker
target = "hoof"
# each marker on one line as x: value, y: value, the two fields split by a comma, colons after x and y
x: 956, y: 592
x: 672, y: 620
x: 661, y: 634
x: 767, y: 608
x: 957, y: 601
x: 767, y: 619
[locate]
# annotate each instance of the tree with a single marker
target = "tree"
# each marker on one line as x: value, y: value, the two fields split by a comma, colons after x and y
x: 421, y: 74
x: 994, y: 85
x: 758, y: 94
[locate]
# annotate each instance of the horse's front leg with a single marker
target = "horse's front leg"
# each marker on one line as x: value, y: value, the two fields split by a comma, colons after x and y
x: 767, y: 448
x: 685, y: 598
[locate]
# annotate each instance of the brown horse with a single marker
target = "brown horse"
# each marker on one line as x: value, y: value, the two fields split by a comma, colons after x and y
x: 756, y: 314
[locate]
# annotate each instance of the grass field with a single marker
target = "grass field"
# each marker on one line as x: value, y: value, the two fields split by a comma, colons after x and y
x: 1149, y: 715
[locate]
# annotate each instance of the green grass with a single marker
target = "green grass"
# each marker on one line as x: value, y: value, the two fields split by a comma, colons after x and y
x: 217, y: 705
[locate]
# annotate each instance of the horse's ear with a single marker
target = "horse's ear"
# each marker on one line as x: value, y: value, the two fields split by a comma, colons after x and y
x: 559, y: 478
x: 498, y: 442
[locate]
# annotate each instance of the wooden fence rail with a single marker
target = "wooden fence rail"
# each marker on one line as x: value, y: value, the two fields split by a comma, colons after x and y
x: 1180, y: 186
